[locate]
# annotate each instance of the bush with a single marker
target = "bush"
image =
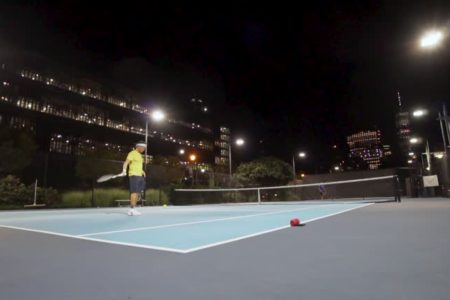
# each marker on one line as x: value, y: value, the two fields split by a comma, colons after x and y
x: 105, y: 197
x: 14, y: 194
x: 156, y: 197
x: 76, y: 199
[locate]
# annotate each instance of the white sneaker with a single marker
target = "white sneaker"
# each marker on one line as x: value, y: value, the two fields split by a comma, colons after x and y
x: 130, y: 212
x: 136, y: 213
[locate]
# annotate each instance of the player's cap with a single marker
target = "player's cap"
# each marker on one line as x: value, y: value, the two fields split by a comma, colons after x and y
x: 141, y: 144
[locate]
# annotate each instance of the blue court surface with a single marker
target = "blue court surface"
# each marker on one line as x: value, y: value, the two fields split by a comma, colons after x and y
x: 175, y: 229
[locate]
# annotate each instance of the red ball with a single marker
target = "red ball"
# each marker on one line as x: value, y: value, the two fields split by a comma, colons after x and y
x: 295, y: 222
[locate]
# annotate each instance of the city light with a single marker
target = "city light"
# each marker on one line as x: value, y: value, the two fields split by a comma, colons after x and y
x: 181, y: 151
x: 410, y: 161
x: 202, y: 170
x: 411, y: 153
x: 431, y: 39
x: 302, y: 175
x: 302, y: 154
x: 336, y: 168
x: 192, y: 157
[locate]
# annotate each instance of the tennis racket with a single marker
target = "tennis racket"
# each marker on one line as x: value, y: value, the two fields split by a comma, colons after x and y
x: 109, y: 177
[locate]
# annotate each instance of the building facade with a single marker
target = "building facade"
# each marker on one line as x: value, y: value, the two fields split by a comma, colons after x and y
x: 367, y: 146
x: 74, y: 115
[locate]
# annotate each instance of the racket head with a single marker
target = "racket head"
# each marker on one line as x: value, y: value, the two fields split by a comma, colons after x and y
x: 106, y: 177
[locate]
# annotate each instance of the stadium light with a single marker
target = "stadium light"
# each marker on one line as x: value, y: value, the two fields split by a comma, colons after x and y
x: 158, y: 115
x: 419, y: 113
x: 239, y: 142
x: 414, y: 140
x: 301, y: 155
x: 181, y: 151
x: 431, y: 39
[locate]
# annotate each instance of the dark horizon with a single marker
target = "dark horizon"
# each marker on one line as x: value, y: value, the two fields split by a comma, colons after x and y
x: 285, y: 79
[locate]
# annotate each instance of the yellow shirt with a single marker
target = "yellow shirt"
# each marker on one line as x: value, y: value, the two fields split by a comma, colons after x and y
x: 136, y: 163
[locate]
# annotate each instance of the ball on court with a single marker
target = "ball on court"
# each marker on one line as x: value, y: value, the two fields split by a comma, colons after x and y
x: 295, y: 222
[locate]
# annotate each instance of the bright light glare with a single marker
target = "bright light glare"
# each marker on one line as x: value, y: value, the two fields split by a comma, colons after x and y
x: 158, y: 115
x: 419, y: 113
x: 410, y: 161
x: 439, y: 155
x: 431, y: 39
x: 411, y: 153
x: 302, y: 154
x: 336, y: 168
x: 181, y: 151
x: 240, y: 142
x: 414, y: 140
x: 192, y: 157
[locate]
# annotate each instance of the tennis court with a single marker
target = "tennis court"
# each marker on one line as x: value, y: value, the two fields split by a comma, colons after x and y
x: 349, y: 249
x: 176, y: 229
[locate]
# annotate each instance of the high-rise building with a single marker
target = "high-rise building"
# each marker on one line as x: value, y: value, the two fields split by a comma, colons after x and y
x: 366, y: 145
x: 403, y: 126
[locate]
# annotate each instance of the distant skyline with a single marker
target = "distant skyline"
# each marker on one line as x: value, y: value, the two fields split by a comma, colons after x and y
x: 285, y: 78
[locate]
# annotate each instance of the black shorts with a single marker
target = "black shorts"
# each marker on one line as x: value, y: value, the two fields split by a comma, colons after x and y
x: 137, y: 184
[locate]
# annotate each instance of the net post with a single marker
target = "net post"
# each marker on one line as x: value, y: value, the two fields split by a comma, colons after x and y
x: 259, y: 196
x: 397, y: 190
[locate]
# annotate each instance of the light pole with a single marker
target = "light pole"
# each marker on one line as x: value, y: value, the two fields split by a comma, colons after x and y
x: 156, y: 116
x: 193, y: 158
x: 302, y: 155
x: 239, y: 142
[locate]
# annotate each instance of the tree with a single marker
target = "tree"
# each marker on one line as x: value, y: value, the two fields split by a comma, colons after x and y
x: 17, y: 148
x: 266, y: 171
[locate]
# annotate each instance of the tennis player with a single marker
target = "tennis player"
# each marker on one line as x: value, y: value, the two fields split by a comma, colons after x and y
x: 136, y: 174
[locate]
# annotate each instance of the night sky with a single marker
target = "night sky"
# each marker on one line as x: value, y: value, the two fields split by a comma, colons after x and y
x: 287, y: 77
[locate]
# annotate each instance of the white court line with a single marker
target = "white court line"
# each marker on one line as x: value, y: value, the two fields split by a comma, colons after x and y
x: 94, y: 240
x: 271, y: 230
x: 200, y: 222
x: 173, y: 249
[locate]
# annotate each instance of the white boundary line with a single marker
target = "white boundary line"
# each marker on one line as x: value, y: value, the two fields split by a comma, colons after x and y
x: 200, y: 222
x: 270, y: 230
x: 178, y: 250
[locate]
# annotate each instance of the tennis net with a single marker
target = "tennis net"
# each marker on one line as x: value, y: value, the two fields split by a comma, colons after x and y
x: 374, y: 189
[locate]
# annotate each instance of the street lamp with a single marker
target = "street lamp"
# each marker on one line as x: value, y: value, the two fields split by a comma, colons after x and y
x: 157, y: 116
x: 302, y: 155
x: 414, y: 140
x: 431, y: 39
x: 239, y: 142
x: 181, y: 151
x: 193, y: 158
x: 419, y: 113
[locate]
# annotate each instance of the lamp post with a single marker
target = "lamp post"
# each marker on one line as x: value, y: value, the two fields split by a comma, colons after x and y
x: 302, y: 155
x: 157, y: 116
x: 239, y: 142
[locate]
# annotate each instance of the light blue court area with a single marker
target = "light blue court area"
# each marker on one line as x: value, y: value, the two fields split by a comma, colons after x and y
x: 180, y: 229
